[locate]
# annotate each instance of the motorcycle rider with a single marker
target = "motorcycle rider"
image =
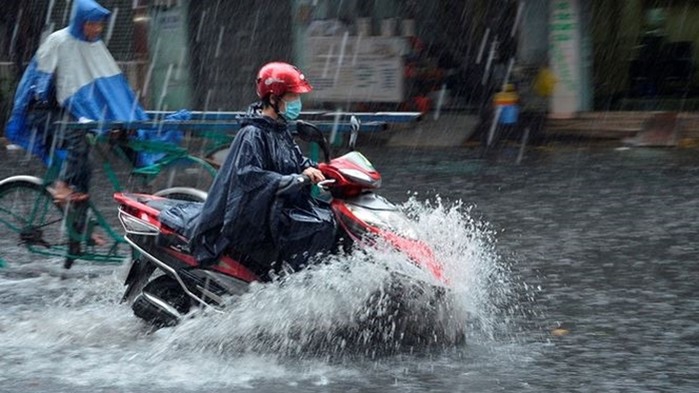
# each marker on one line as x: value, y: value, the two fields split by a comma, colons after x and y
x: 260, y: 204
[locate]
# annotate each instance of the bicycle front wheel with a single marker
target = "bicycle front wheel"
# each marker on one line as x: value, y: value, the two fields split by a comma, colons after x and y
x: 27, y: 209
x: 183, y: 194
x: 218, y: 155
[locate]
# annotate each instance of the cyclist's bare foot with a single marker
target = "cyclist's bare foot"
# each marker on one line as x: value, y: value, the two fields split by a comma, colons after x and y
x: 98, y: 240
x: 62, y: 193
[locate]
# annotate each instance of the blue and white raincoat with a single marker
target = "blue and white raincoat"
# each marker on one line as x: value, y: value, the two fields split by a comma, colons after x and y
x: 86, y: 81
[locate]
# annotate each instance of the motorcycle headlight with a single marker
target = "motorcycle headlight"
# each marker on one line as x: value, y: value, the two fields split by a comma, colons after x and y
x: 360, y: 177
x: 393, y: 220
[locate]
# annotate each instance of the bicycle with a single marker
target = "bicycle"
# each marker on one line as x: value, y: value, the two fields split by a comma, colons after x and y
x: 46, y: 228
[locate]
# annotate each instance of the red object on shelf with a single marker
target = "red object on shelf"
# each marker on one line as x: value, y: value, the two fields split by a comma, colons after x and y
x: 422, y: 104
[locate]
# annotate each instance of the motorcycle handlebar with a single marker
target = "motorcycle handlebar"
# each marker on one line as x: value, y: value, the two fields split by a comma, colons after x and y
x: 325, y: 184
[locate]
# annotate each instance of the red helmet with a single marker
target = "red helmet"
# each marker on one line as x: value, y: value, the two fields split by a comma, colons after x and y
x: 280, y: 78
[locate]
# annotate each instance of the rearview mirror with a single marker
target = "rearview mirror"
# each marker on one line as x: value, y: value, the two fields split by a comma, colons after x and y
x: 354, y: 131
x: 308, y: 132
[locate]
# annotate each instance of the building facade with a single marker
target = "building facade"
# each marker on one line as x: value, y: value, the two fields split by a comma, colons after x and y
x: 389, y: 54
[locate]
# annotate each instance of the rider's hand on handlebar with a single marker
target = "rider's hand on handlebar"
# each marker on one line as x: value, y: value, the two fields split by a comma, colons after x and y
x: 314, y: 174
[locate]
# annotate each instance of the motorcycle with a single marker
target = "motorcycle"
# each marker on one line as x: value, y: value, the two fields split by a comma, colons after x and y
x: 165, y: 282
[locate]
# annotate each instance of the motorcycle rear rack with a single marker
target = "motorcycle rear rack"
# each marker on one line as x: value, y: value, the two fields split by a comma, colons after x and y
x: 172, y: 272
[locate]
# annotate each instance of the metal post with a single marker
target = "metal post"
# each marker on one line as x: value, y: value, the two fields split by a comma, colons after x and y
x: 496, y: 119
x: 525, y: 137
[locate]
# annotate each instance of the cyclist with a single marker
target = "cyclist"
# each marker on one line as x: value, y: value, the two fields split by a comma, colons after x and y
x: 260, y: 203
x: 73, y: 76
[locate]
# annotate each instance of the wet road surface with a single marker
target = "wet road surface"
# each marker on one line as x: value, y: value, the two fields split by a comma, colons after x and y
x: 576, y: 272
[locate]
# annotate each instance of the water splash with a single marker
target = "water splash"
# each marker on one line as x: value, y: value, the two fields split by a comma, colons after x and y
x: 369, y: 303
x: 466, y: 246
x: 76, y: 332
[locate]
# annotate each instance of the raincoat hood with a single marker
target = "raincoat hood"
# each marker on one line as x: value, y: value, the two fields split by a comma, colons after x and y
x: 86, y: 11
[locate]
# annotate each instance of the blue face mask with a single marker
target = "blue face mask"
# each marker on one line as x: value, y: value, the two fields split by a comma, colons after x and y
x: 293, y: 109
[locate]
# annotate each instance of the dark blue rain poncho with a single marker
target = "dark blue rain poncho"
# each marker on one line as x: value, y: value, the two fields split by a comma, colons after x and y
x: 257, y: 204
x: 84, y: 79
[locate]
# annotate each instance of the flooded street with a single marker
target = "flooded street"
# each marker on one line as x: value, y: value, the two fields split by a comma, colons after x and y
x: 575, y: 272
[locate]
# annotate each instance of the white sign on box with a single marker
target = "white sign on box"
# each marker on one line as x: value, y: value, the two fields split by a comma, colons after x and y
x: 356, y: 68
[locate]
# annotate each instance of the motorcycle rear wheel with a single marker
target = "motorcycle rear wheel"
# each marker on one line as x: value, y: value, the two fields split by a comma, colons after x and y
x: 165, y: 289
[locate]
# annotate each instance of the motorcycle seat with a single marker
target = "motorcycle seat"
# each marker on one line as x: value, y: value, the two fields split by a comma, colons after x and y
x: 182, y: 216
x: 160, y: 204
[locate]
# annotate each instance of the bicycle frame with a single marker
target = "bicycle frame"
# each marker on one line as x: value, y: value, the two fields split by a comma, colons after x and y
x: 80, y: 220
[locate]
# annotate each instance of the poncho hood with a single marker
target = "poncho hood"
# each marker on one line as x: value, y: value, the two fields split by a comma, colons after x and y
x: 86, y: 11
